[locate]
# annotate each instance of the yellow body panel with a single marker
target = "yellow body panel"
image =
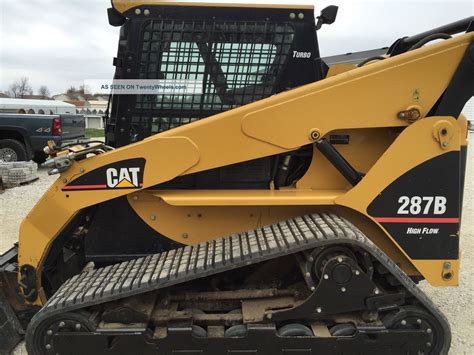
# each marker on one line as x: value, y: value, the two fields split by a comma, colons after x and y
x: 365, y: 148
x: 361, y: 99
x: 415, y: 145
x: 124, y: 5
x: 189, y: 222
x: 196, y: 224
x: 283, y: 197
x: 336, y: 69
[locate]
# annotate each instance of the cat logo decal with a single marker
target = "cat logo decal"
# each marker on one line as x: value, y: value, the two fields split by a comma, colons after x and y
x: 125, y: 174
x: 124, y: 178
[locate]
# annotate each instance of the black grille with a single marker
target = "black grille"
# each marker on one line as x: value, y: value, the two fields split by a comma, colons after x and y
x: 235, y: 63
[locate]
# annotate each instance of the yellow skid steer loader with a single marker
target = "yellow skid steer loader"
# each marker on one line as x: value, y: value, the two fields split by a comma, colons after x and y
x: 284, y: 205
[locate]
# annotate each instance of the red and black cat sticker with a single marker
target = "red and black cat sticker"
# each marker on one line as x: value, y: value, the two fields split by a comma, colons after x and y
x: 125, y: 174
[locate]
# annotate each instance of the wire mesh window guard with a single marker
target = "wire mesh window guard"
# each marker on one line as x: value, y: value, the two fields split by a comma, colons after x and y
x: 236, y: 62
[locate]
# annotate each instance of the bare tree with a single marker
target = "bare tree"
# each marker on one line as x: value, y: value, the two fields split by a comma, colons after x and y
x: 20, y: 88
x: 84, y: 91
x: 72, y: 89
x: 72, y: 93
x: 43, y: 91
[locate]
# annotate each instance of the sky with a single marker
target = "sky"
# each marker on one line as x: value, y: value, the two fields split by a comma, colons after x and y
x: 61, y: 43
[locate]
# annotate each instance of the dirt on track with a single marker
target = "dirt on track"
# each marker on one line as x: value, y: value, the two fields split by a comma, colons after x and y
x: 455, y: 302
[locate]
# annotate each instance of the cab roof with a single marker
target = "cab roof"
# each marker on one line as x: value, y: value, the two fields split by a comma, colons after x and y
x: 124, y: 5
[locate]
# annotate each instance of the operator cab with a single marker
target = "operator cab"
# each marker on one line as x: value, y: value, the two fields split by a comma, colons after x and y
x: 233, y: 54
x: 229, y: 55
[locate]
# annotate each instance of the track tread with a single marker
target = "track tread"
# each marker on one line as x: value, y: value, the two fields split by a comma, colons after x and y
x: 192, y: 262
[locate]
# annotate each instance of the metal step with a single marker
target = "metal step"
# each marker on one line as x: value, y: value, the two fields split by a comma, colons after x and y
x: 197, y: 261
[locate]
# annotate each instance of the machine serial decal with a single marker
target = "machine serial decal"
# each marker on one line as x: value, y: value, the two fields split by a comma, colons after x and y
x: 125, y: 174
x: 422, y: 204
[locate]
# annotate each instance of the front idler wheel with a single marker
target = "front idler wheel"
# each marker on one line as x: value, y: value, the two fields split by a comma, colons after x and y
x: 413, y: 317
x: 42, y: 342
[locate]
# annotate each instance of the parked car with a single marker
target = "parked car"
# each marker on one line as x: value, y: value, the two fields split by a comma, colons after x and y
x: 23, y: 136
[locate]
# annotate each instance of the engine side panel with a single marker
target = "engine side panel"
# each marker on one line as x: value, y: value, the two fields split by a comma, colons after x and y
x: 421, y: 208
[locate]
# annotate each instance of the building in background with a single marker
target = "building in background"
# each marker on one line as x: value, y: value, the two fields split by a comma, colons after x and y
x: 93, y: 112
x: 42, y: 107
x: 92, y: 107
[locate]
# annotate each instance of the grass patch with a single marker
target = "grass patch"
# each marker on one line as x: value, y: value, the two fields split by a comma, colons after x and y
x: 94, y: 133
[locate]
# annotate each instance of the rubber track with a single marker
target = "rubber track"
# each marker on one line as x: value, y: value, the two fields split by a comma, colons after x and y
x: 177, y: 266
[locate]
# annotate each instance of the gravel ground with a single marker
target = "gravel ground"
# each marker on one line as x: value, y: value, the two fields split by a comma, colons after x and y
x: 455, y: 302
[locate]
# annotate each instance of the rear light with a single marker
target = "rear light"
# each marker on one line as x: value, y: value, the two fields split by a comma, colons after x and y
x: 56, y: 126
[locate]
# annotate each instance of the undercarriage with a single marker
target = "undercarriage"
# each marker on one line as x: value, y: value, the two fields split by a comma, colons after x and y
x: 313, y: 284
